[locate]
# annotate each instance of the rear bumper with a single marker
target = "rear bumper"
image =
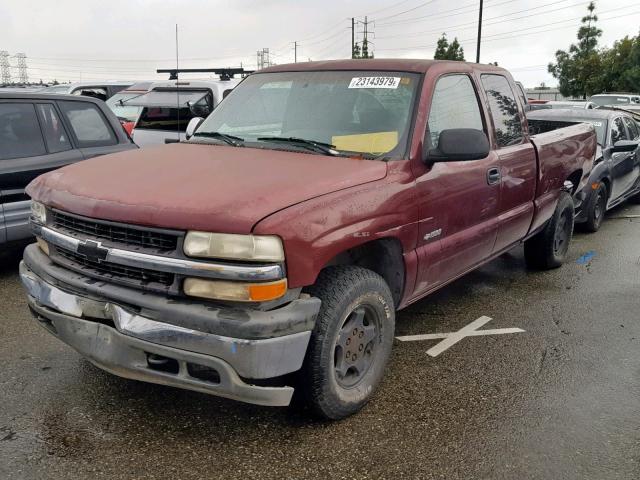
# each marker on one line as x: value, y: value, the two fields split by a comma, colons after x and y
x: 124, y: 340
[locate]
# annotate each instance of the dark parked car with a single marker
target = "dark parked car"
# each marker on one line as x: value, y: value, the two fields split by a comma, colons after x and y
x: 40, y: 132
x: 616, y: 173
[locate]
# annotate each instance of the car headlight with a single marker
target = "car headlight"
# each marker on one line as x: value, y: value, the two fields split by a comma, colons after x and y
x: 38, y: 212
x: 259, y: 248
x: 235, y: 291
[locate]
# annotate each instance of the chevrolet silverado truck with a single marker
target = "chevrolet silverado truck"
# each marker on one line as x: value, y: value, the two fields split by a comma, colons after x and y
x: 270, y: 252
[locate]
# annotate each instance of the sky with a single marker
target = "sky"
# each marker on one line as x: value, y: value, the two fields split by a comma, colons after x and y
x: 73, y: 40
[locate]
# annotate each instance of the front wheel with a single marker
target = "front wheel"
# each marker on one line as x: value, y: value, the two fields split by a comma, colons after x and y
x: 548, y: 248
x: 351, y: 342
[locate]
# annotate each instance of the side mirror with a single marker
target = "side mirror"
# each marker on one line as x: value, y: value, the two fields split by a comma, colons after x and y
x: 192, y: 126
x: 624, y: 146
x: 458, y: 144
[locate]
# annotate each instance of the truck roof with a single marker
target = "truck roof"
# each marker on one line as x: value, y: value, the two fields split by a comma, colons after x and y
x: 383, y: 64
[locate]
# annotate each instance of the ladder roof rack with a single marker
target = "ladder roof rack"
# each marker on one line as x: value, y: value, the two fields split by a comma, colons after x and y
x: 225, y: 73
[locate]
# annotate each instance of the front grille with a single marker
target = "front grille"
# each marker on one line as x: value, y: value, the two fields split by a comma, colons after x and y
x: 116, y: 232
x: 108, y: 270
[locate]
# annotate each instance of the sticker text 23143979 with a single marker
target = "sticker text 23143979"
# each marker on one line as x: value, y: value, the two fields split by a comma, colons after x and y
x: 374, y: 82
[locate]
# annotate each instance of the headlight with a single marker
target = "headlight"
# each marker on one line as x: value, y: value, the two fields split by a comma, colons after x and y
x: 235, y: 291
x: 38, y: 212
x: 259, y: 248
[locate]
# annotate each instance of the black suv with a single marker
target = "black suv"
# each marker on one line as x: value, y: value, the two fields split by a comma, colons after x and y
x: 42, y: 132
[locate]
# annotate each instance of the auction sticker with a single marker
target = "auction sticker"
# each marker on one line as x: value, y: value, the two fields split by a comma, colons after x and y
x: 375, y: 82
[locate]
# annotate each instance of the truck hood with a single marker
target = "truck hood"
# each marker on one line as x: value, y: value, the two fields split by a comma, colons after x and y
x: 198, y: 187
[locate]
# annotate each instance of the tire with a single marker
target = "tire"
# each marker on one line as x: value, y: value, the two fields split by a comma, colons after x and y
x: 357, y: 312
x: 548, y: 248
x: 635, y: 199
x: 596, y: 209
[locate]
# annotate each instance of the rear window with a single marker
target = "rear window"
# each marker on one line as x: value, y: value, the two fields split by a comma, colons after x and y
x: 158, y: 112
x: 88, y: 124
x: 20, y: 134
x: 504, y: 110
x: 125, y: 112
x: 166, y: 119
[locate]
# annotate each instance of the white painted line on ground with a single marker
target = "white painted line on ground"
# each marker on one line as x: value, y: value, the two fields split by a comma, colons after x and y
x: 450, y: 339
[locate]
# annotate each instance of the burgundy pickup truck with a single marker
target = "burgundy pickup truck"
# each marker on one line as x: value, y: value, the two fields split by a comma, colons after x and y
x: 272, y: 250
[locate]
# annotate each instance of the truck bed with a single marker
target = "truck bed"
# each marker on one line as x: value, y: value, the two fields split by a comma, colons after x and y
x: 564, y: 150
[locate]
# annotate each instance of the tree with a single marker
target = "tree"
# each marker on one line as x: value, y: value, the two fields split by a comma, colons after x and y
x: 362, y: 52
x: 448, y: 51
x: 621, y: 66
x: 579, y: 70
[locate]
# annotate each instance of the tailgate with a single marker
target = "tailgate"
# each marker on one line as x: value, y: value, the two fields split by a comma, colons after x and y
x: 561, y: 153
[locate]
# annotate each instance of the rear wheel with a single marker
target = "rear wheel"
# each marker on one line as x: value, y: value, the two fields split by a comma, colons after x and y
x: 596, y: 209
x: 635, y: 199
x: 351, y: 342
x: 548, y: 248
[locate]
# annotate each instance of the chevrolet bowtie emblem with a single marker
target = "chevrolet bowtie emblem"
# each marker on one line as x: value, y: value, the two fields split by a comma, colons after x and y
x: 93, y: 250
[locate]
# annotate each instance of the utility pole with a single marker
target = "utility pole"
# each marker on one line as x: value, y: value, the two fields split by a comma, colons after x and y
x: 365, y: 43
x: 479, y: 33
x: 353, y: 37
x: 23, y: 77
x: 5, y: 68
x: 295, y: 52
x: 262, y: 59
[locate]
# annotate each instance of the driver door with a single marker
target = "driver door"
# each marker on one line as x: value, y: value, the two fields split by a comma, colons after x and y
x: 458, y: 201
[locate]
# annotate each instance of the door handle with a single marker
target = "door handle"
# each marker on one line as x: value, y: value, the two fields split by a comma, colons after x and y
x: 493, y: 176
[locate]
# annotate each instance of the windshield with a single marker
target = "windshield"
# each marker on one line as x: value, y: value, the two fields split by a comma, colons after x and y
x: 123, y: 111
x: 599, y: 124
x: 601, y: 100
x: 363, y: 112
x: 569, y: 105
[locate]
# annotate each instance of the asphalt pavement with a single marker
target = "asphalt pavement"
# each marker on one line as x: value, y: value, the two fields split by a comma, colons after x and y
x: 557, y: 401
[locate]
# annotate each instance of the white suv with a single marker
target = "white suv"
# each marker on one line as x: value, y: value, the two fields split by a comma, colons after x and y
x: 169, y: 105
x: 604, y: 99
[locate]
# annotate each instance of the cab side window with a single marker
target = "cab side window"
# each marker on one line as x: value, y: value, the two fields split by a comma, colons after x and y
x: 617, y: 131
x: 454, y: 105
x: 632, y: 127
x: 20, y: 134
x: 504, y: 110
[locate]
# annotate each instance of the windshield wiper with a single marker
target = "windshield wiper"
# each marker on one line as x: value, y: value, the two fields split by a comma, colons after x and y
x: 321, y: 147
x: 229, y: 139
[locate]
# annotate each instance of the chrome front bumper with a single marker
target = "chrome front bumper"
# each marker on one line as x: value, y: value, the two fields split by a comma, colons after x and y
x: 120, y: 342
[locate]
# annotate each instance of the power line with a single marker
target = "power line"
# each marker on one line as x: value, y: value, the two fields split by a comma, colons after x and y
x: 388, y: 7
x: 407, y: 11
x: 502, y: 37
x: 487, y: 20
x: 469, y: 8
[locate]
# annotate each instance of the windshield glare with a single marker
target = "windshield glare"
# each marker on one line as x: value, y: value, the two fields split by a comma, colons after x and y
x: 601, y: 100
x: 361, y: 112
